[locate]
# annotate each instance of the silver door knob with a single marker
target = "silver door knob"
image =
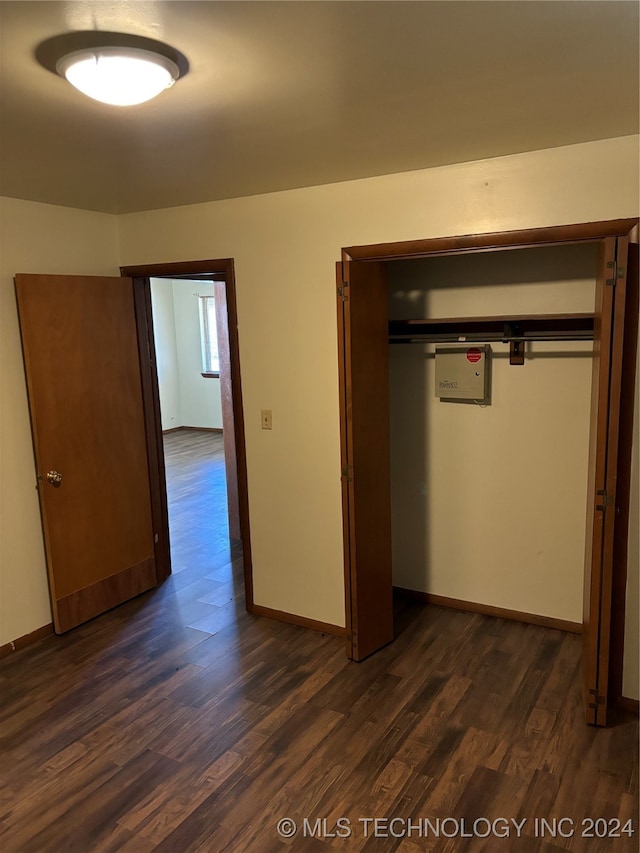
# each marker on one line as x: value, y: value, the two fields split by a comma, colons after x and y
x: 54, y: 477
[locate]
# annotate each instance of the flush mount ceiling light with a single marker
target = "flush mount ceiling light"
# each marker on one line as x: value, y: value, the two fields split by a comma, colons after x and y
x: 121, y: 76
x: 114, y: 68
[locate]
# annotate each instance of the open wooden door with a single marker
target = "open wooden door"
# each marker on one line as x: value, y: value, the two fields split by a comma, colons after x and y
x: 366, y: 488
x: 83, y: 378
x: 603, y: 474
x: 226, y: 401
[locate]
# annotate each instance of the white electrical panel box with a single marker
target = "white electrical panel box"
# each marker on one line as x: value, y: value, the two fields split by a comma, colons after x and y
x: 463, y: 373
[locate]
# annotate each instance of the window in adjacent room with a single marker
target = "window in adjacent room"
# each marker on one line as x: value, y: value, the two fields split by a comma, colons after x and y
x: 209, y: 337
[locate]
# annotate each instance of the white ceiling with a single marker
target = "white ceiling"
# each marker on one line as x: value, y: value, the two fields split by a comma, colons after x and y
x: 291, y: 94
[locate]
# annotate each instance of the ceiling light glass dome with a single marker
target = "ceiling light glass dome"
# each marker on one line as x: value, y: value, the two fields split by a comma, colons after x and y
x: 121, y: 76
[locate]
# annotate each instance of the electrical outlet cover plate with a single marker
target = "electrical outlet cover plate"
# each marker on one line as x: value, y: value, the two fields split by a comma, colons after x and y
x: 462, y: 373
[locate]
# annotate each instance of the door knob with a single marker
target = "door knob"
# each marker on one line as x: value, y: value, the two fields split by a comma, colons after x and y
x: 54, y: 478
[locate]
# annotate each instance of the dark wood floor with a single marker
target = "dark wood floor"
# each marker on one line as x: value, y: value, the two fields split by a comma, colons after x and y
x: 179, y: 723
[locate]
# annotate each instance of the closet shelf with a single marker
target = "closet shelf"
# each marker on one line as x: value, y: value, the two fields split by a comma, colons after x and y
x: 525, y: 327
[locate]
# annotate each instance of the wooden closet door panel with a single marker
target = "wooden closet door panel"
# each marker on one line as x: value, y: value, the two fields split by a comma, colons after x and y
x: 364, y: 392
x: 603, y: 468
x: 626, y: 525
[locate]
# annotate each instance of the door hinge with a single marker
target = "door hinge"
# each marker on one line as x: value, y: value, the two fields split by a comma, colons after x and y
x: 347, y: 473
x: 613, y: 265
x: 598, y: 698
x: 607, y: 500
x: 342, y: 290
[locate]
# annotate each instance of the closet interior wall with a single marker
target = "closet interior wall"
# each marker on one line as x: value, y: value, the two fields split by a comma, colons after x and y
x: 489, y: 503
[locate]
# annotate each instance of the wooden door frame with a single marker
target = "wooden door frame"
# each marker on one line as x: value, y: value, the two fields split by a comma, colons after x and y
x: 221, y: 270
x: 593, y: 232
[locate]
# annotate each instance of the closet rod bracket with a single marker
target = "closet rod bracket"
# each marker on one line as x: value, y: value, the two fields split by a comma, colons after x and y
x: 516, y: 348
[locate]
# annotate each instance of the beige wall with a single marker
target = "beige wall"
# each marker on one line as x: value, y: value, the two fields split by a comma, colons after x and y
x: 34, y: 238
x: 164, y: 333
x: 200, y: 403
x: 489, y: 502
x: 186, y: 397
x: 285, y: 246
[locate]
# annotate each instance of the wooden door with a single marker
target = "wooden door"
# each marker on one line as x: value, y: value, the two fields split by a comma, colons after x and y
x: 366, y: 488
x: 226, y: 402
x: 603, y: 474
x: 83, y: 377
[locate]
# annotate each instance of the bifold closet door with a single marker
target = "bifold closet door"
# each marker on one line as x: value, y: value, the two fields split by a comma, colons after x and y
x: 603, y: 471
x: 366, y: 484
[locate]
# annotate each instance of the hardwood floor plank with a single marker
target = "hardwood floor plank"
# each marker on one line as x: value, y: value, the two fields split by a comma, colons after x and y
x: 34, y: 808
x: 172, y: 803
x: 467, y: 753
x: 114, y: 797
x: 179, y: 723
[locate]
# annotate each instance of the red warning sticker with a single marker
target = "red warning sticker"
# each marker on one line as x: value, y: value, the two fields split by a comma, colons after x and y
x: 474, y: 355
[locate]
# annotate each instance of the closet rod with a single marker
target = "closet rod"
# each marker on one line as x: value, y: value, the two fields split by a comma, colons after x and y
x: 487, y: 339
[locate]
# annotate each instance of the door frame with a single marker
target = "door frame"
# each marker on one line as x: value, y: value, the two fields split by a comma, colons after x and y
x: 219, y: 270
x: 625, y: 231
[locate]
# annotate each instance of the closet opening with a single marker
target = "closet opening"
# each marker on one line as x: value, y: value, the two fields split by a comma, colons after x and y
x: 482, y: 507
